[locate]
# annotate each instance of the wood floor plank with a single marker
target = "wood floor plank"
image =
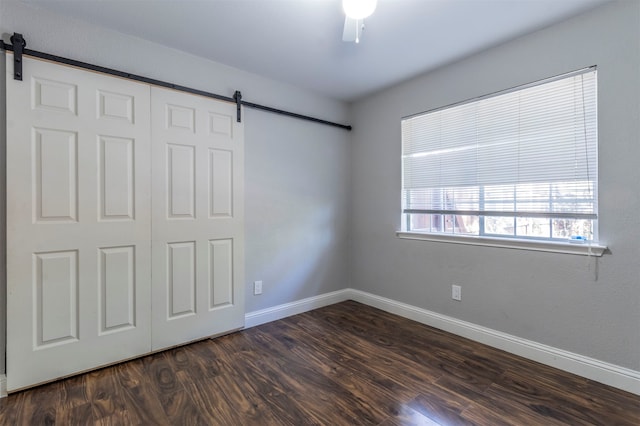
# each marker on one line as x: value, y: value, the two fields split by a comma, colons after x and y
x: 390, y: 329
x: 409, y: 417
x: 73, y: 391
x: 344, y: 364
x: 335, y: 397
x: 421, y: 350
x: 481, y: 415
x: 161, y: 374
x: 130, y: 374
x: 262, y: 380
x: 116, y: 419
x: 13, y: 409
x: 567, y: 407
x: 331, y: 336
x: 609, y: 399
x: 180, y: 408
x: 226, y: 401
x: 78, y: 415
x: 106, y: 398
x: 28, y: 408
x: 197, y: 359
x: 437, y: 408
x: 356, y: 359
x: 144, y: 406
x: 332, y: 401
x: 469, y: 390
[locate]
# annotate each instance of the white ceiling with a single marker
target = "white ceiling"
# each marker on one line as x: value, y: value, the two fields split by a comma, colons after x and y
x: 300, y: 41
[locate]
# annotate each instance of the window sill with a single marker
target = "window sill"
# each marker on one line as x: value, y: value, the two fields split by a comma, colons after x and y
x: 547, y: 246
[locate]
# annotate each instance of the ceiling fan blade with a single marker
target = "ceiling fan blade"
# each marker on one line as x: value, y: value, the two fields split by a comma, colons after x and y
x: 351, y: 29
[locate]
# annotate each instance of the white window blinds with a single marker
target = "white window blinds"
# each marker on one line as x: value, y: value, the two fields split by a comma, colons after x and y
x: 530, y: 152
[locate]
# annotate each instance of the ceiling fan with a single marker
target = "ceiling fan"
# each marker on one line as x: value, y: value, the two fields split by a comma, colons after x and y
x: 356, y: 11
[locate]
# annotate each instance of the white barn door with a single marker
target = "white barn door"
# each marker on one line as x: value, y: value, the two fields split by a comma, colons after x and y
x: 94, y: 274
x: 197, y: 218
x: 78, y: 221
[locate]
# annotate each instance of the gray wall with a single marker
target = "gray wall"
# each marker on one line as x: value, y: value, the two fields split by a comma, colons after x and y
x: 296, y: 172
x: 297, y: 181
x: 580, y: 304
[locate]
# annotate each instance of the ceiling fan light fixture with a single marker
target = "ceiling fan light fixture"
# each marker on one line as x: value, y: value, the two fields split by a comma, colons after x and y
x: 359, y: 9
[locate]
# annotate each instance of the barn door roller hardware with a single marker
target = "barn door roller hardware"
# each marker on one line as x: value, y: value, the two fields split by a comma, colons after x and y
x: 18, y: 48
x: 238, y: 98
x: 19, y: 43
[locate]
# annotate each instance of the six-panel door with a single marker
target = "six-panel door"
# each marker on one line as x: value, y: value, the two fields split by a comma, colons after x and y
x: 197, y: 156
x: 78, y: 222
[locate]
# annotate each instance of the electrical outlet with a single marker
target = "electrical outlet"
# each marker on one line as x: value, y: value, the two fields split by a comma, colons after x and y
x: 257, y: 287
x: 456, y: 292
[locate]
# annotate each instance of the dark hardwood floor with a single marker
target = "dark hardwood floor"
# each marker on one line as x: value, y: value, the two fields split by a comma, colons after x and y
x: 346, y: 364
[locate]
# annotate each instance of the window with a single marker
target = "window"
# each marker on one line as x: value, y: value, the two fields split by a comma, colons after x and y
x: 520, y: 164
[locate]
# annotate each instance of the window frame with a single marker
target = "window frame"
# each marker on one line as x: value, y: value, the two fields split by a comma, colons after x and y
x: 482, y: 237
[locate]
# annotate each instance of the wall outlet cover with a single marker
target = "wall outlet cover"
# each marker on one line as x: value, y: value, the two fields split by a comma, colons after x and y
x: 456, y: 292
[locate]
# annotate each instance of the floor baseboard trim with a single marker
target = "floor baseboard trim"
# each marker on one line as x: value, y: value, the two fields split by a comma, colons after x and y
x: 590, y: 368
x: 3, y: 386
x: 263, y: 316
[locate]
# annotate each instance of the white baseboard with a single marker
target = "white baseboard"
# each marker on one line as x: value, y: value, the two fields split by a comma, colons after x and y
x: 599, y: 371
x: 3, y: 386
x: 263, y: 316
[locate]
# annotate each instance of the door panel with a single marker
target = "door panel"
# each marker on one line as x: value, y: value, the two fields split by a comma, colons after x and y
x: 56, y: 172
x: 116, y: 189
x: 56, y: 299
x: 181, y: 279
x: 78, y: 221
x: 220, y: 273
x: 117, y: 288
x: 197, y: 156
x: 181, y: 175
x: 221, y: 183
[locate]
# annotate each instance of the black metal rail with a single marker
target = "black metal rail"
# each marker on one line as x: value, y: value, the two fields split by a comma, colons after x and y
x: 19, y: 49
